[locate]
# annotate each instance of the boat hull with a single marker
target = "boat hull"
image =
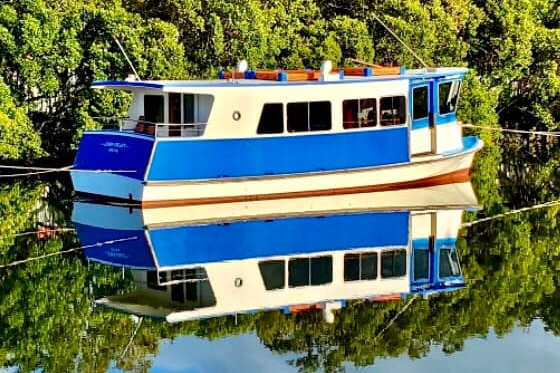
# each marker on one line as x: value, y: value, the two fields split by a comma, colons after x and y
x: 420, y: 172
x: 449, y: 196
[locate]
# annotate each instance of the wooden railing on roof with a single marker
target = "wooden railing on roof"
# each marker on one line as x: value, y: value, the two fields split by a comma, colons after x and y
x: 302, y: 75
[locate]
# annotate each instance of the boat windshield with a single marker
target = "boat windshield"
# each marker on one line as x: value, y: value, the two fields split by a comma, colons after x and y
x: 449, y: 262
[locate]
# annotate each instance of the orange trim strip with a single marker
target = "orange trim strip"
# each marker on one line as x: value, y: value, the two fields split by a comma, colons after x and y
x: 386, y: 298
x: 303, y: 307
x: 449, y: 178
x: 301, y: 75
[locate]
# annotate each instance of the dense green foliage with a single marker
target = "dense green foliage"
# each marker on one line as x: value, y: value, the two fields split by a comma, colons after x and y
x: 50, y: 52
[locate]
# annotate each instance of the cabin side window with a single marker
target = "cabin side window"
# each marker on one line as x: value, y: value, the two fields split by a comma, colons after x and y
x: 359, y: 113
x: 191, y: 285
x: 152, y: 280
x: 273, y: 274
x: 421, y: 264
x: 153, y: 108
x: 188, y: 108
x: 362, y: 266
x: 309, y: 116
x: 420, y: 102
x: 174, y: 100
x: 272, y: 119
x: 448, y: 263
x: 448, y: 93
x: 309, y: 271
x: 393, y: 263
x: 393, y: 111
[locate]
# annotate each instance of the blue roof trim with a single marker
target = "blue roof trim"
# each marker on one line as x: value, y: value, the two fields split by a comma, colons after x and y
x: 127, y: 84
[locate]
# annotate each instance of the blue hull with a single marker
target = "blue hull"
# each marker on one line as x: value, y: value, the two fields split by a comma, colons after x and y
x: 264, y: 156
x: 184, y: 245
x: 192, y: 159
x: 115, y: 151
x: 132, y: 253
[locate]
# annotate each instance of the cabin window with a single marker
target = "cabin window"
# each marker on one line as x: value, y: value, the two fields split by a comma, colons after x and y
x: 393, y: 111
x: 188, y: 108
x: 309, y: 116
x: 272, y: 119
x: 186, y: 284
x: 309, y: 271
x: 174, y: 113
x: 174, y: 108
x: 393, y: 263
x: 272, y: 273
x: 361, y: 266
x: 421, y: 264
x: 359, y: 113
x: 448, y: 93
x: 152, y: 280
x: 153, y: 108
x: 319, y: 116
x: 448, y: 263
x: 420, y: 102
x: 191, y: 287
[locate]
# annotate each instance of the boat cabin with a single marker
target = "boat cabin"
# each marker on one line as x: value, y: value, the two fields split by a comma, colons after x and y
x: 252, y: 104
x: 291, y: 283
x: 277, y: 263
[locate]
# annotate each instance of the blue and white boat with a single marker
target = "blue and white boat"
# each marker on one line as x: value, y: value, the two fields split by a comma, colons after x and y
x: 264, y: 135
x: 185, y: 270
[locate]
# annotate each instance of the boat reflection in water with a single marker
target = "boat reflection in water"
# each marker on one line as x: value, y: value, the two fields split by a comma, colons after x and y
x: 189, y: 266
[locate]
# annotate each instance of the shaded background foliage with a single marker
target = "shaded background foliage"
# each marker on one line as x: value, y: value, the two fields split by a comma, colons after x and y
x: 50, y: 52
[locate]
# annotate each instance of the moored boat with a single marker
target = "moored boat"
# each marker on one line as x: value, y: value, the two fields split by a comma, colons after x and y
x: 267, y: 135
x: 187, y: 270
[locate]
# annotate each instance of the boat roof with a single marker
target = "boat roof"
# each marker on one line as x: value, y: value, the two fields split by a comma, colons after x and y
x: 180, y: 85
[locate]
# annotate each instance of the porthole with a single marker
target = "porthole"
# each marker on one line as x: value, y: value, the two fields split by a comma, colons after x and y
x: 236, y: 115
x: 238, y: 282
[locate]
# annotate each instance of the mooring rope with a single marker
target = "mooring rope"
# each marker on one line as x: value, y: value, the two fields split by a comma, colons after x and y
x: 84, y: 247
x: 131, y: 338
x: 57, y: 230
x: 512, y: 212
x: 510, y: 130
x: 26, y: 174
x: 45, y: 170
x: 395, y: 318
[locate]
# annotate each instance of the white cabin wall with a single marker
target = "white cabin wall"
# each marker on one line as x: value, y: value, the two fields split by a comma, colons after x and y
x: 420, y: 141
x: 449, y: 137
x: 227, y: 101
x: 421, y: 225
x: 449, y: 223
x: 252, y: 294
x: 135, y: 110
x: 249, y: 100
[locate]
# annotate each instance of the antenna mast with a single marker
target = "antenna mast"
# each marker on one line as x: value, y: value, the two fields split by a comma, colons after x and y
x: 400, y: 40
x: 127, y: 59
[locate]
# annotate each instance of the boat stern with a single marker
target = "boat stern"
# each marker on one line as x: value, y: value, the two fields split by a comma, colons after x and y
x: 111, y: 165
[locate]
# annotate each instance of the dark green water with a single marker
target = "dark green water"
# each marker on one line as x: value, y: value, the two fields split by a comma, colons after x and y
x: 508, y: 318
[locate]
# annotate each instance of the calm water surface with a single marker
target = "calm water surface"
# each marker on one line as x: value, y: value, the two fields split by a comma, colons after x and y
x: 522, y: 350
x: 505, y: 320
